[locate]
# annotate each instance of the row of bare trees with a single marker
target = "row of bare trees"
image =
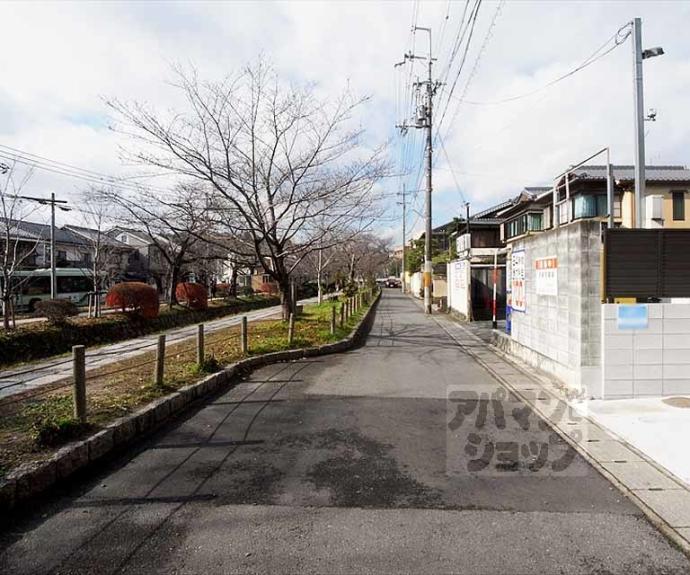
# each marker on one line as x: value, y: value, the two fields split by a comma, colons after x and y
x: 268, y: 174
x: 281, y: 171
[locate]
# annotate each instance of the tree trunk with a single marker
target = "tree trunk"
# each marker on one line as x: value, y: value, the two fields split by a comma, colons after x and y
x: 233, y: 282
x: 5, y: 312
x: 285, y: 297
x: 173, y: 277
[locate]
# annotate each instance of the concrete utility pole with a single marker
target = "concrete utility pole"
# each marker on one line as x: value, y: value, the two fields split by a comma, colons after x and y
x: 429, y: 187
x: 639, y: 123
x: 53, y: 275
x: 53, y: 202
x: 638, y: 55
x: 404, y: 236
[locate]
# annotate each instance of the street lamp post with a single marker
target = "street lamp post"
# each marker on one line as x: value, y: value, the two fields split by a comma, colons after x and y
x: 638, y: 56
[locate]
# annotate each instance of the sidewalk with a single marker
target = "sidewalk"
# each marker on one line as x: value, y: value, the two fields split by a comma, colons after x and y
x: 633, y: 443
x: 41, y: 373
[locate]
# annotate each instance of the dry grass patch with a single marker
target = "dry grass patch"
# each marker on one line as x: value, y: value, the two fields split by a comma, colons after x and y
x: 32, y: 428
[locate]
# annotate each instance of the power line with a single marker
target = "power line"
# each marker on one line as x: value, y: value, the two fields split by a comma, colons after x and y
x: 617, y: 39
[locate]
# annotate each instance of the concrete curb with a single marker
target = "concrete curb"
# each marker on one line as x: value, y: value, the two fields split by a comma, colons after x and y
x: 653, y: 515
x: 33, y: 479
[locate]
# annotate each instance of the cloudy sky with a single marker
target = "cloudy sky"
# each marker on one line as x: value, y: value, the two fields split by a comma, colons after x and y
x: 59, y: 60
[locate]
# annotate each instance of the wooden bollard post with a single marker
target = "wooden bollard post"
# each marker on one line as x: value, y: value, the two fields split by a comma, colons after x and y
x: 160, y: 361
x: 200, y: 355
x: 79, y: 376
x: 243, y: 335
x: 333, y: 320
x: 342, y: 314
x: 291, y: 328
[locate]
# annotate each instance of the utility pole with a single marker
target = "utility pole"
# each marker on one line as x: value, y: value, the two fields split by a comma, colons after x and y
x: 639, y: 123
x: 53, y: 275
x: 423, y: 120
x: 404, y: 235
x: 52, y: 202
x: 638, y: 55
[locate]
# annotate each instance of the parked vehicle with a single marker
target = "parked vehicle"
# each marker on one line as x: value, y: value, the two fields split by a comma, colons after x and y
x: 393, y: 282
x: 32, y: 286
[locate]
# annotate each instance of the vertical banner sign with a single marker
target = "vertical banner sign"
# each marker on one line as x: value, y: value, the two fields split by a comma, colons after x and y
x: 517, y: 280
x: 546, y: 276
x: 459, y: 275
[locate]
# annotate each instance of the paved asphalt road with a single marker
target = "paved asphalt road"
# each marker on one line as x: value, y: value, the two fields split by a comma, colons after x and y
x: 14, y: 381
x: 357, y: 462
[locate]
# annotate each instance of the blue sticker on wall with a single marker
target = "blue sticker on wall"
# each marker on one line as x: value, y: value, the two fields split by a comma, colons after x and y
x: 634, y: 316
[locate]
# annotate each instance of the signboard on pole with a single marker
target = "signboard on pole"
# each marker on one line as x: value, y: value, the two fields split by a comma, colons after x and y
x: 517, y: 280
x: 546, y: 276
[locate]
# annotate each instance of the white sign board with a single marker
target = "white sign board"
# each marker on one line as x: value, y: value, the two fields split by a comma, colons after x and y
x: 459, y: 274
x: 517, y: 280
x: 546, y: 276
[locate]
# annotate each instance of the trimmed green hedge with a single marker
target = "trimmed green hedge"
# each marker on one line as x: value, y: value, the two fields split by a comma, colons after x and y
x: 41, y: 340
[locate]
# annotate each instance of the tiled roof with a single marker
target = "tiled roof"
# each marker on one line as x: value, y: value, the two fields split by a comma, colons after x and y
x: 626, y: 172
x: 92, y: 235
x: 35, y: 231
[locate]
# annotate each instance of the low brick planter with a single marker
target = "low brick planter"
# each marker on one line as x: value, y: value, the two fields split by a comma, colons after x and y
x: 33, y: 479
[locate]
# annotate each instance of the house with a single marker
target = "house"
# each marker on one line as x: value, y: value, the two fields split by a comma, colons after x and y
x: 667, y: 201
x: 74, y: 246
x: 583, y: 195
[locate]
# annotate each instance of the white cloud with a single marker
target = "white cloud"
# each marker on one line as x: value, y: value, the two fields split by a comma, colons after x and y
x: 59, y: 59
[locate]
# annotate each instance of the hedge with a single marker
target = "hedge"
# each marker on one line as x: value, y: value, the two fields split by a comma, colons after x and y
x: 193, y: 295
x: 43, y: 340
x: 135, y: 298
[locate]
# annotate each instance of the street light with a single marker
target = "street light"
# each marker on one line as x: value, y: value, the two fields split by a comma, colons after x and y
x: 638, y: 56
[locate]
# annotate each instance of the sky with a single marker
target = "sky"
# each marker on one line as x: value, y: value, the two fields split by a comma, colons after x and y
x: 504, y: 128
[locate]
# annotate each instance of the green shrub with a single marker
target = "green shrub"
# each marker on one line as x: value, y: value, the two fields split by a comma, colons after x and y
x: 40, y: 340
x: 56, y: 311
x: 52, y: 433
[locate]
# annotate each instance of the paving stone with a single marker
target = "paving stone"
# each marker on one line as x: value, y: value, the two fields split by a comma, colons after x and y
x: 71, y: 458
x: 672, y: 505
x: 100, y: 444
x: 640, y: 475
x: 610, y: 450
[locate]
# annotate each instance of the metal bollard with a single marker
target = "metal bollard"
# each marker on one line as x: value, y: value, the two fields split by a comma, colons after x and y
x: 342, y: 314
x: 200, y: 355
x: 243, y: 335
x: 79, y: 377
x: 160, y: 361
x: 332, y: 320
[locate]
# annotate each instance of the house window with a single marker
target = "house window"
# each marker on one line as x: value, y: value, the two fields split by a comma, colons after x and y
x: 678, y: 206
x: 617, y: 208
x: 123, y: 238
x: 61, y: 256
x: 266, y: 279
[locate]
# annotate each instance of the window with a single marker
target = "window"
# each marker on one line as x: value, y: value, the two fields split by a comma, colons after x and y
x: 678, y: 206
x: 266, y: 279
x: 74, y: 284
x: 590, y: 206
x: 617, y: 208
x: 61, y: 256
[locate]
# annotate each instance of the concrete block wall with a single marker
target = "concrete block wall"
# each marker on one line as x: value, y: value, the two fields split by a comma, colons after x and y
x: 562, y: 333
x: 647, y: 362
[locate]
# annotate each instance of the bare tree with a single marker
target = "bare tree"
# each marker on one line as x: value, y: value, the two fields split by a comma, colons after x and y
x: 366, y: 256
x: 276, y: 160
x: 18, y: 246
x: 105, y: 256
x: 173, y: 225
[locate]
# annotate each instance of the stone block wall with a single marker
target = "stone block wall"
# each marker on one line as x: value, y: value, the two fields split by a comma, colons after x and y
x: 562, y: 333
x: 654, y: 361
